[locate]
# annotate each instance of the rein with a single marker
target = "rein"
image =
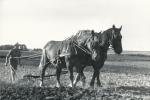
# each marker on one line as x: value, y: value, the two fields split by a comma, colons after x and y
x: 31, y: 56
x: 82, y: 48
x: 110, y: 42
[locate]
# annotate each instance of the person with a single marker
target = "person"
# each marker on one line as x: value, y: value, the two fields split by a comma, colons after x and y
x: 13, y: 59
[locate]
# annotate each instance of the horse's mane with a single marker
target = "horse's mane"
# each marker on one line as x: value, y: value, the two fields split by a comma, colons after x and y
x: 79, y: 34
x: 84, y: 33
x: 80, y: 37
x: 107, y: 31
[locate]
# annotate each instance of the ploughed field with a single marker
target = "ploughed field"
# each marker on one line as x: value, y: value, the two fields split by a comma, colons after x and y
x: 123, y: 77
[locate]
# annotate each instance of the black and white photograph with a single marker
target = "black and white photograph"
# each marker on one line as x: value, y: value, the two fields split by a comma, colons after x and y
x: 74, y: 50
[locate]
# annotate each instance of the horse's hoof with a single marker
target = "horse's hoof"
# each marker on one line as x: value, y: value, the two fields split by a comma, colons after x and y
x: 41, y: 84
x: 83, y: 84
x: 92, y: 87
x: 99, y: 85
x: 58, y: 85
x: 71, y: 85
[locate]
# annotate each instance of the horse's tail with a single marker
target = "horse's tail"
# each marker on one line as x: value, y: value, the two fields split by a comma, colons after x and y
x: 44, y: 60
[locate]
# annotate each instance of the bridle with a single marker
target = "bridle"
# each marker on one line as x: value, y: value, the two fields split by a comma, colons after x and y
x: 111, y: 37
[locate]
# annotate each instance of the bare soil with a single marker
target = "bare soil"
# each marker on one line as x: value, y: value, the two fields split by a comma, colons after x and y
x: 124, y: 77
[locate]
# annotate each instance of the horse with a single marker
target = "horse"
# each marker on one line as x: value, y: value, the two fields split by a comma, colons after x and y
x: 92, y: 50
x: 110, y: 37
x: 54, y: 53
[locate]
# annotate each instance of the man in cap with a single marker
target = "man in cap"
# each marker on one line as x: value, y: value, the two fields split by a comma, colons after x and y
x: 13, y: 59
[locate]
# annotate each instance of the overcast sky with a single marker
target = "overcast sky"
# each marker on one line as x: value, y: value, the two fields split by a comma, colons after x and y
x: 35, y: 22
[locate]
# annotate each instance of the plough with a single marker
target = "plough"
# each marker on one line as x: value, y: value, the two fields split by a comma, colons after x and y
x: 47, y: 76
x: 37, y: 76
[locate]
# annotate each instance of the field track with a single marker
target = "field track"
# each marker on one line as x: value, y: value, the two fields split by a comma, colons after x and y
x: 124, y: 77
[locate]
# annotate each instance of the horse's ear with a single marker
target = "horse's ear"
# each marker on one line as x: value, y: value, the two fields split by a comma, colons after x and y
x: 113, y: 26
x: 120, y: 27
x: 92, y: 32
x: 100, y: 32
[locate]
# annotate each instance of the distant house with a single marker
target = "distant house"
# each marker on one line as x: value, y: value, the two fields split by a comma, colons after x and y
x: 23, y: 47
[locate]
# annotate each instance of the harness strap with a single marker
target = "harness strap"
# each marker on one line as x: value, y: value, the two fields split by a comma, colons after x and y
x: 82, y: 48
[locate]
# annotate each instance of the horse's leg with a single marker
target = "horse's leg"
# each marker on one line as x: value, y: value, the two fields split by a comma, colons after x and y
x: 58, y: 72
x: 93, y: 79
x: 43, y: 74
x: 98, y: 80
x: 70, y: 69
x: 78, y: 76
x: 96, y: 72
x: 71, y: 75
x: 83, y: 77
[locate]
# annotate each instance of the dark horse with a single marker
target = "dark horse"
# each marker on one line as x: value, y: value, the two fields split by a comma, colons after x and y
x: 88, y: 49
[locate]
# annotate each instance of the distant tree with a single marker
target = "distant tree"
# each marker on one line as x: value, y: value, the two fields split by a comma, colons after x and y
x: 6, y: 47
x: 37, y: 49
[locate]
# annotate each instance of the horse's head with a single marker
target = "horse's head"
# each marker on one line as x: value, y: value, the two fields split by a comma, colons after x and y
x: 116, y: 39
x: 93, y: 46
